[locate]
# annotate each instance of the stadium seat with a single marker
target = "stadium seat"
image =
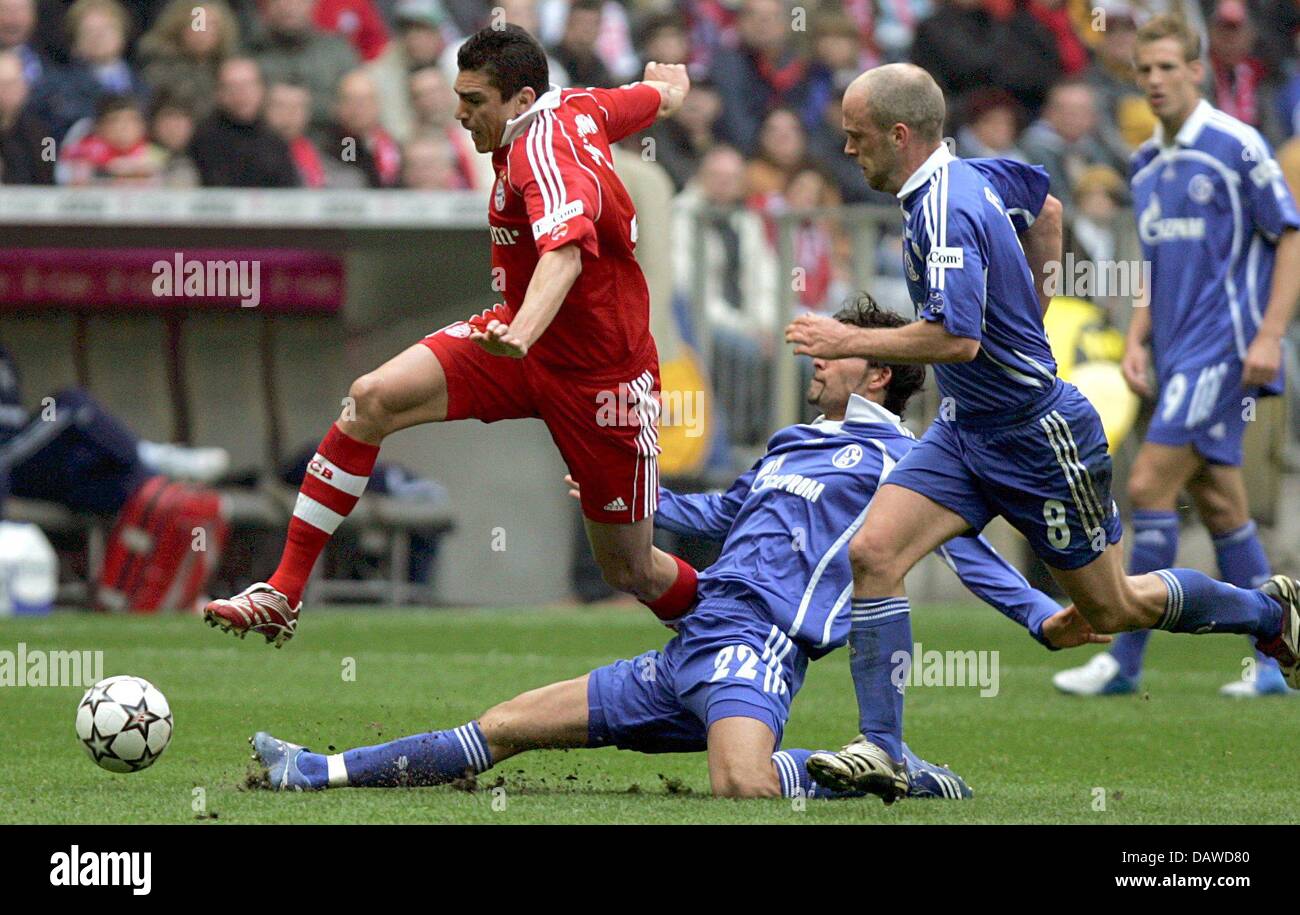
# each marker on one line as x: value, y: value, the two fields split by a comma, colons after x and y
x: 124, y: 368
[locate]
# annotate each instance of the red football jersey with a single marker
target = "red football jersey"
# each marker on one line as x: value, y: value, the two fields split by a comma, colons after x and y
x: 556, y: 186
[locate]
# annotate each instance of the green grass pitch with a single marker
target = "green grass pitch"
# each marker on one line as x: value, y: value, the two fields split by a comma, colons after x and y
x: 1176, y: 754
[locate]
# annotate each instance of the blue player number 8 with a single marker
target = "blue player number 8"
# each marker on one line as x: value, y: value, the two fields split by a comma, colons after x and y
x: 1058, y: 531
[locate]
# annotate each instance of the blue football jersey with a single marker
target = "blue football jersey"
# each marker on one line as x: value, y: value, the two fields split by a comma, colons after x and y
x: 1210, y: 207
x: 787, y: 522
x: 966, y: 269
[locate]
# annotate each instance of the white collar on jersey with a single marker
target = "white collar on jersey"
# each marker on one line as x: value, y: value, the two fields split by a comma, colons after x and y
x: 1191, y: 128
x: 938, y: 159
x: 861, y: 410
x: 515, y: 126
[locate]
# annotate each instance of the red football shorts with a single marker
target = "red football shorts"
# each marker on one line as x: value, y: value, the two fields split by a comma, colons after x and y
x: 607, y: 432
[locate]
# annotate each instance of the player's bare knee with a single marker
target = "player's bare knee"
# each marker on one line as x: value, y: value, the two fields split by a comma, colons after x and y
x: 874, y: 562
x: 747, y: 781
x: 1219, y: 512
x: 1145, y: 489
x: 365, y: 407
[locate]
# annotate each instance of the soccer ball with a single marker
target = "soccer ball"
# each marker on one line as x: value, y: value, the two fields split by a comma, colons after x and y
x: 124, y: 723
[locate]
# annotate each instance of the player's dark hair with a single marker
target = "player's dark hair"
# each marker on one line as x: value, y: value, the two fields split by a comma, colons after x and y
x: 904, y: 380
x: 509, y: 57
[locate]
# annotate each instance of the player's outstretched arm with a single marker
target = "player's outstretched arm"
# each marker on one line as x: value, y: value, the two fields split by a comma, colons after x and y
x: 996, y: 582
x: 672, y: 81
x: 1042, y: 244
x: 923, y: 342
x: 706, y: 514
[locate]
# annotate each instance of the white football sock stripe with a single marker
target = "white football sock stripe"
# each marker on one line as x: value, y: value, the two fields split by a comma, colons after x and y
x: 315, y: 514
x: 338, y: 772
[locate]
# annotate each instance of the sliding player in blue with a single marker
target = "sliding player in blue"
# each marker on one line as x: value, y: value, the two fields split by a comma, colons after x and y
x: 1011, y: 439
x: 1218, y: 227
x: 777, y: 597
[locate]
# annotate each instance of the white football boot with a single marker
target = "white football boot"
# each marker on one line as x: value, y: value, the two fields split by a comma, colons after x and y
x: 1099, y: 677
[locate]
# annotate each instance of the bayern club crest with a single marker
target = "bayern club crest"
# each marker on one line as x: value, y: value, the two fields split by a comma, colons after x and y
x: 499, y: 197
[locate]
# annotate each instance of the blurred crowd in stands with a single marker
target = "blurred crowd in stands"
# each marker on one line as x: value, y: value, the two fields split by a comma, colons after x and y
x: 357, y: 93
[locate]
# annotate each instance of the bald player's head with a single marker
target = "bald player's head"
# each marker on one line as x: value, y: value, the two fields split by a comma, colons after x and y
x: 893, y: 120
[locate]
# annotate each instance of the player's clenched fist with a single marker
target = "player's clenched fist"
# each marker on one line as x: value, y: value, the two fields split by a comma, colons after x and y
x: 1135, y: 367
x: 493, y: 334
x: 499, y: 341
x: 672, y: 74
x: 1263, y: 360
x: 672, y: 81
x: 821, y: 337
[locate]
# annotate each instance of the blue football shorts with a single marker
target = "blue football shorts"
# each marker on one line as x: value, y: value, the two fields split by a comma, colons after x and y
x: 1205, y: 407
x: 1046, y: 469
x: 726, y: 661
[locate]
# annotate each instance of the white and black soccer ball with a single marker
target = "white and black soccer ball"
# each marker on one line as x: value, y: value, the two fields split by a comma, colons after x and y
x: 124, y: 723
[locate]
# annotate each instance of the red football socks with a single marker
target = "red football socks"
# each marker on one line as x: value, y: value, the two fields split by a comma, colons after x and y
x: 335, y: 479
